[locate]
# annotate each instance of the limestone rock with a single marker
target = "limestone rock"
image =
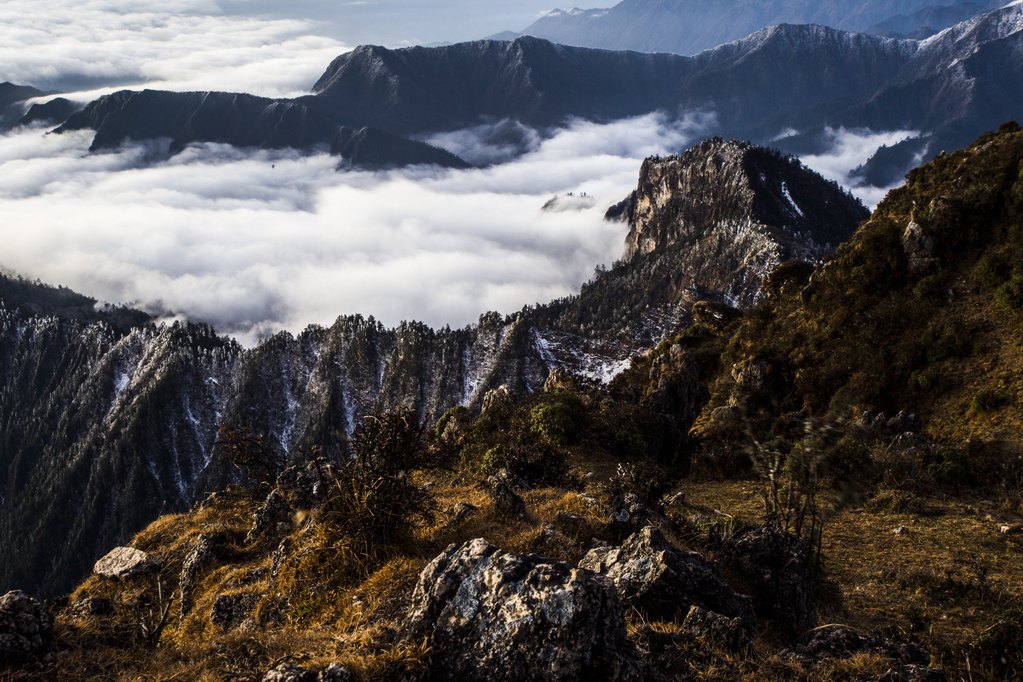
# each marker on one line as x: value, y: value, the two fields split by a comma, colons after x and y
x: 490, y: 615
x: 506, y: 501
x: 200, y: 558
x: 272, y: 518
x: 335, y: 673
x: 728, y: 633
x: 663, y: 582
x: 25, y: 627
x: 91, y: 607
x: 495, y: 398
x: 125, y: 562
x: 777, y: 569
x: 289, y: 673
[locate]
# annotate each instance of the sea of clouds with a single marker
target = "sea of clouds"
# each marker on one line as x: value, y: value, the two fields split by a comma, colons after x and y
x: 254, y: 242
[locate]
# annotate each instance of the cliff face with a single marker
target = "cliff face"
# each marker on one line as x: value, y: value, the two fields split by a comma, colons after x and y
x: 107, y: 420
x: 737, y: 211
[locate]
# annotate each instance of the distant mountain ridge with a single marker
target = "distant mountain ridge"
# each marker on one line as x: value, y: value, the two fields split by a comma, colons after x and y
x: 373, y: 106
x: 692, y: 26
x: 104, y: 426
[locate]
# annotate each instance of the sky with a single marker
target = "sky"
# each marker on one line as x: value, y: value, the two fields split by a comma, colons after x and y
x: 255, y: 242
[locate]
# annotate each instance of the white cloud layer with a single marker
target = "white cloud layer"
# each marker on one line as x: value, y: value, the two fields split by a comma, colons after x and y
x: 95, y: 46
x: 850, y: 149
x: 253, y: 242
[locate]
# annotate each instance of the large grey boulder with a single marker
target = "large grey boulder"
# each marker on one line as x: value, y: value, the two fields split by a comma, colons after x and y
x: 490, y: 615
x: 125, y: 562
x: 25, y: 627
x: 663, y: 582
x: 272, y: 519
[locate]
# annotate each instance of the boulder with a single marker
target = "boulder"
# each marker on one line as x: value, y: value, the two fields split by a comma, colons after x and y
x: 289, y: 673
x: 201, y: 557
x: 663, y: 582
x: 273, y: 518
x: 495, y: 399
x: 25, y: 628
x: 491, y: 615
x: 125, y: 562
x: 506, y: 501
x: 462, y: 511
x: 777, y: 569
x: 335, y: 673
x: 731, y: 634
x: 628, y: 515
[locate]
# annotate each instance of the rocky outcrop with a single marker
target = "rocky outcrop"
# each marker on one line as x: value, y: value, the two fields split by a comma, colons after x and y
x: 777, y: 570
x: 272, y: 519
x: 25, y: 627
x: 491, y: 615
x: 199, y: 559
x: 740, y: 211
x: 663, y: 582
x: 125, y: 562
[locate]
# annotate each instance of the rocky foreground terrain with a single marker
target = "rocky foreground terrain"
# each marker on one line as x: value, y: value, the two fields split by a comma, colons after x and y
x: 824, y: 485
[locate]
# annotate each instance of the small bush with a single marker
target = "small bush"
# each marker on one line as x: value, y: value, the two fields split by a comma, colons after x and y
x: 998, y: 651
x: 559, y: 419
x: 1010, y: 294
x: 930, y: 287
x: 986, y: 400
x: 372, y: 496
x: 952, y: 468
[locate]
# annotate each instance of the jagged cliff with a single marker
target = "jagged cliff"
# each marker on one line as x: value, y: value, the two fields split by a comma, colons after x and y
x: 108, y: 421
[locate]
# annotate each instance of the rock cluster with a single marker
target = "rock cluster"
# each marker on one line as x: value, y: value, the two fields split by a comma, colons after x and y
x: 662, y: 582
x: 491, y: 615
x: 25, y: 627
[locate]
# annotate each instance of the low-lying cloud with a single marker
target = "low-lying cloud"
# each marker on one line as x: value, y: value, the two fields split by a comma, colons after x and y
x: 847, y: 150
x: 254, y: 241
x: 95, y: 46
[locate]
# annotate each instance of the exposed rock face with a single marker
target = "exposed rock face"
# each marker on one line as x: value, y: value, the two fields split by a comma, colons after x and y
x: 777, y: 569
x: 271, y: 519
x: 200, y: 558
x: 740, y: 211
x: 490, y: 615
x: 663, y: 582
x: 125, y: 562
x: 24, y: 627
x: 506, y: 501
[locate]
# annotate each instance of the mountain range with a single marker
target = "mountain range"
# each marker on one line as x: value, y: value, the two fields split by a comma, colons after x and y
x: 788, y: 85
x: 107, y: 420
x: 692, y: 26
